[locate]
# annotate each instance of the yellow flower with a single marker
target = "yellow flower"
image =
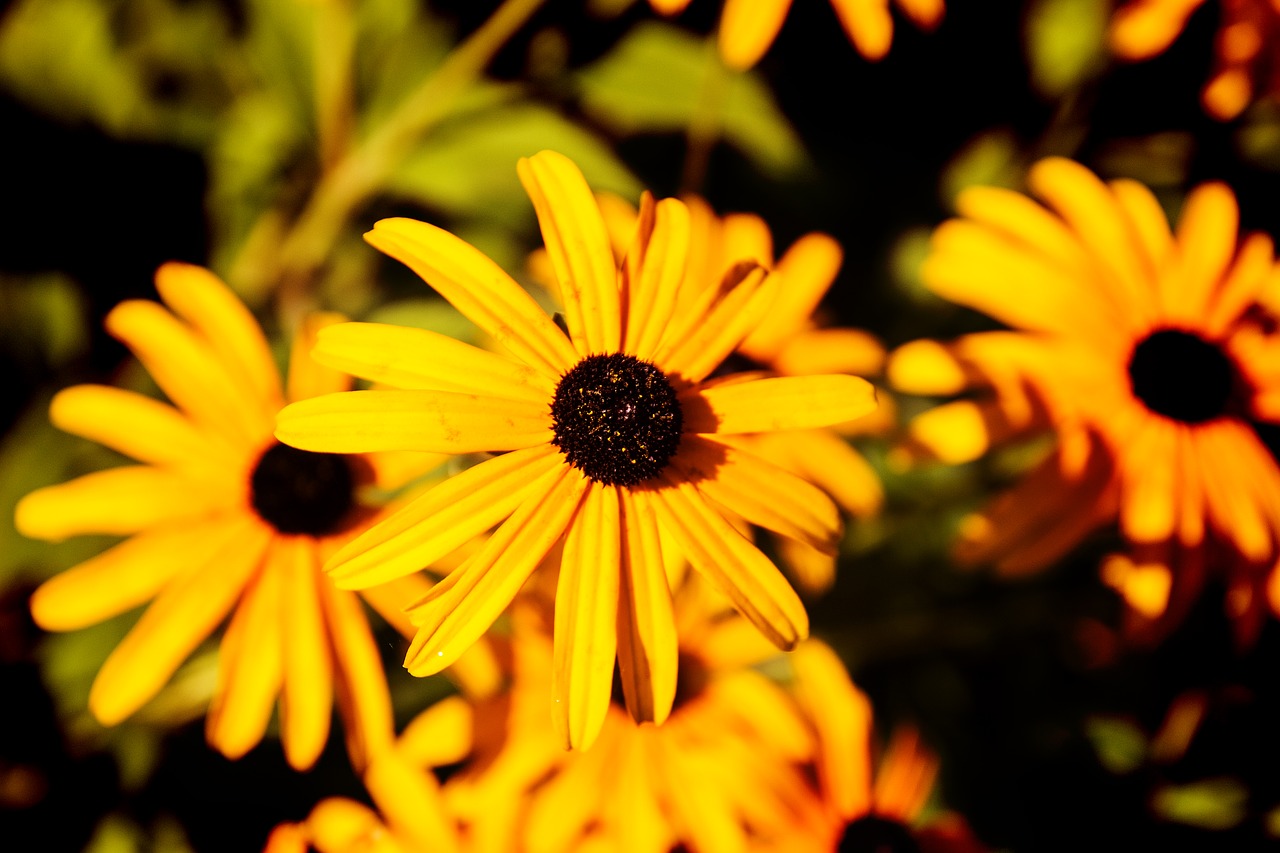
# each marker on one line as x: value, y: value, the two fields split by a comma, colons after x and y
x: 1141, y: 347
x: 749, y: 27
x: 220, y: 517
x: 608, y: 435
x: 1244, y: 46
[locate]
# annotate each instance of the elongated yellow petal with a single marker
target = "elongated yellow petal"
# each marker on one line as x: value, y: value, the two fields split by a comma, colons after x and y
x: 363, y: 697
x: 691, y: 356
x: 442, y: 734
x: 308, y: 377
x: 829, y: 462
x: 487, y: 583
x: 307, y: 700
x: 1207, y: 243
x: 1149, y: 221
x: 411, y: 802
x: 807, y: 270
x: 732, y: 564
x: 250, y: 670
x: 710, y: 821
x: 748, y: 28
x: 841, y: 714
x: 121, y: 577
x: 829, y: 351
x: 586, y: 618
x: 760, y: 492
x: 201, y: 299
x: 116, y: 501
x: 647, y: 647
x: 779, y: 403
x: 1240, y: 289
x: 480, y: 289
x: 579, y: 247
x: 145, y: 429
x: 420, y: 359
x: 452, y: 513
x: 868, y: 25
x: 770, y: 716
x: 188, y: 371
x: 434, y: 421
x: 175, y: 623
x: 658, y: 277
x: 337, y: 824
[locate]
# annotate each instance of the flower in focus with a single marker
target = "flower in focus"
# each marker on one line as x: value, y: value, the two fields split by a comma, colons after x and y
x: 221, y: 518
x: 607, y: 436
x: 748, y: 28
x: 1244, y: 49
x: 787, y: 342
x: 1148, y: 354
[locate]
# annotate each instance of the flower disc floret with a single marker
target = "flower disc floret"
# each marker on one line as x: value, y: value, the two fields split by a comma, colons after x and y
x: 299, y: 491
x: 1182, y: 376
x: 616, y: 419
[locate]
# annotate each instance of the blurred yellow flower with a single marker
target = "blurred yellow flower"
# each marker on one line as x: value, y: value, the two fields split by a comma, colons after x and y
x: 1245, y: 46
x: 220, y: 518
x: 1142, y: 348
x: 748, y: 28
x: 608, y: 435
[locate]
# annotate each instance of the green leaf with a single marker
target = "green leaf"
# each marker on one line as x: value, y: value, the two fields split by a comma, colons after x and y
x: 659, y: 78
x: 990, y: 159
x: 467, y: 166
x: 1209, y: 804
x: 1066, y: 43
x: 42, y: 319
x: 1120, y: 744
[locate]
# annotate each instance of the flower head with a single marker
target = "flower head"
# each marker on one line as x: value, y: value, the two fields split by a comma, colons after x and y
x: 221, y: 518
x: 1142, y: 348
x: 612, y: 439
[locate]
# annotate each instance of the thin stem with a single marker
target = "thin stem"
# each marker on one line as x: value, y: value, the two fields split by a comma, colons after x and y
x: 334, y: 49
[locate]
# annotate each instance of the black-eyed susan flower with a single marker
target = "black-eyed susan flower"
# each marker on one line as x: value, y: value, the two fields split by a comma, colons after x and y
x: 220, y: 518
x: 608, y: 435
x: 1244, y: 49
x: 1142, y: 348
x: 748, y: 28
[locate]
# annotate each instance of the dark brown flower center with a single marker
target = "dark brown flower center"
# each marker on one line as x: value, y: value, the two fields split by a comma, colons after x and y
x: 875, y: 834
x: 1182, y: 376
x: 298, y: 491
x: 616, y: 419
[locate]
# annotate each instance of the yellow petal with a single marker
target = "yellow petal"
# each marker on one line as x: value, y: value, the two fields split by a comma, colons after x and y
x: 419, y: 359
x: 119, y: 578
x: 117, y: 501
x: 1207, y: 242
x: 1150, y: 224
x: 250, y: 670
x: 773, y: 722
x: 411, y: 802
x: 829, y: 462
x: 478, y: 288
x: 434, y: 421
x: 188, y: 371
x: 1240, y: 288
x: 1141, y: 30
x: 868, y: 25
x: 926, y: 367
x: 813, y: 571
x: 656, y: 282
x: 337, y: 825
x: 732, y: 564
x: 759, y: 491
x: 806, y: 270
x: 647, y: 648
x: 748, y: 28
x: 485, y: 585
x: 199, y: 297
x: 906, y: 777
x: 586, y: 614
x: 175, y: 623
x: 308, y: 377
x: 780, y: 403
x: 689, y: 355
x: 841, y: 715
x: 452, y: 513
x: 307, y: 700
x: 363, y: 696
x: 579, y: 247
x: 829, y: 351
x: 442, y: 734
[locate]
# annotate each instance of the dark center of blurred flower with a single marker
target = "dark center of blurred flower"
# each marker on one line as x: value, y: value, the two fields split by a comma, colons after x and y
x: 616, y: 419
x: 692, y: 677
x: 875, y: 834
x: 1182, y: 376
x: 298, y: 491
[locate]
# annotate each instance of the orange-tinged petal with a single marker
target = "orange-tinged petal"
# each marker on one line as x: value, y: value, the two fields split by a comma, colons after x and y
x: 578, y: 244
x: 1241, y: 286
x: 959, y: 431
x: 434, y: 421
x: 868, y: 25
x: 1150, y: 224
x: 1147, y: 508
x: 586, y: 614
x: 1015, y: 215
x: 480, y: 289
x: 767, y: 714
x: 748, y: 28
x: 1142, y: 29
x: 307, y: 700
x: 117, y: 501
x: 828, y: 461
x: 250, y: 670
x: 452, y: 513
x: 841, y: 715
x: 420, y: 359
x: 361, y: 685
x: 779, y: 403
x: 647, y: 646
x: 828, y: 351
x: 732, y: 564
x: 924, y: 13
x: 308, y: 377
x: 688, y: 356
x: 187, y: 369
x: 1227, y: 94
x: 336, y: 824
x: 199, y: 297
x: 906, y: 777
x: 1206, y: 238
x: 814, y: 571
x: 709, y: 820
x: 668, y: 7
x: 484, y: 586
x: 658, y: 277
x: 411, y: 802
x: 442, y: 734
x: 807, y: 270
x: 288, y: 838
x: 759, y: 491
x: 184, y: 614
x: 121, y: 577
